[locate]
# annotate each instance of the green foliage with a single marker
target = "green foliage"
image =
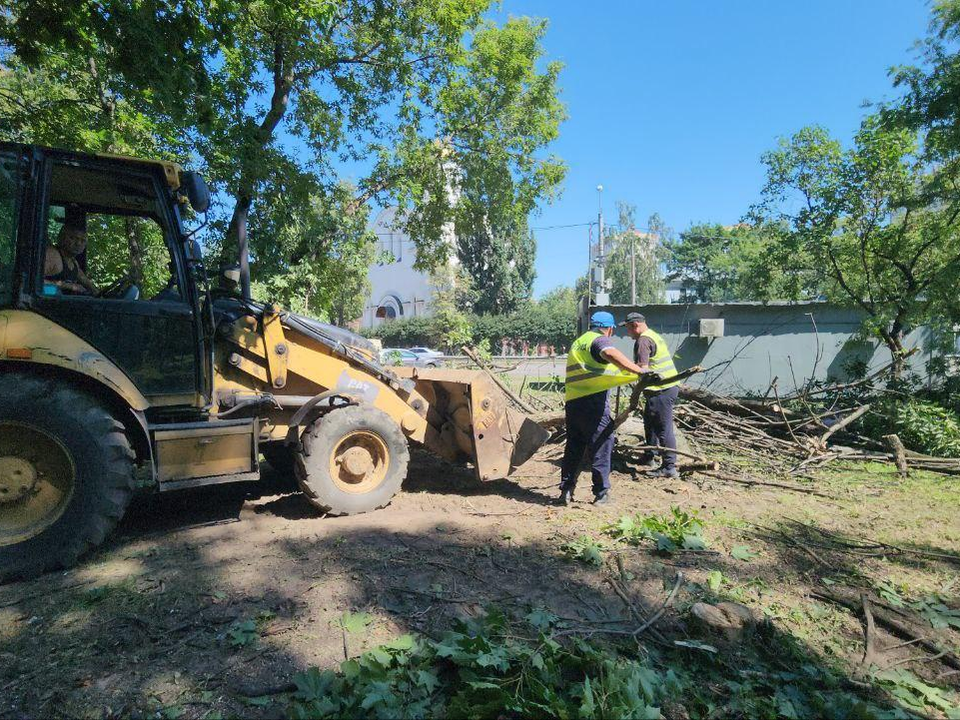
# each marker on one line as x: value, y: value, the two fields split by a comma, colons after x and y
x: 584, y: 549
x: 314, y: 255
x: 242, y: 633
x: 679, y: 529
x: 913, y: 692
x: 922, y: 425
x: 867, y: 222
x: 480, y: 670
x: 743, y: 552
x: 552, y: 321
x: 275, y: 96
x: 648, y: 250
x: 500, y: 253
x: 487, y: 667
x: 717, y: 263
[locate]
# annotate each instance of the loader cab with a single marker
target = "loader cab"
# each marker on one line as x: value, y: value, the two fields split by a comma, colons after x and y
x: 106, y: 258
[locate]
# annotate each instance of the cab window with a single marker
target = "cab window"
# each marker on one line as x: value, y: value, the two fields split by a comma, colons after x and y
x: 9, y: 213
x: 106, y: 237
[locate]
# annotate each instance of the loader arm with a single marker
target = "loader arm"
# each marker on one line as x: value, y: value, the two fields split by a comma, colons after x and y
x: 459, y: 415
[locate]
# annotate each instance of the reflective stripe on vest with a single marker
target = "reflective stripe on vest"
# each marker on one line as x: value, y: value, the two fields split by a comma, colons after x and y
x: 662, y: 361
x: 585, y: 376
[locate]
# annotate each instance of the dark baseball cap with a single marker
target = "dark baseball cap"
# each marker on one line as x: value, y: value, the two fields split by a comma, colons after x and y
x: 634, y: 317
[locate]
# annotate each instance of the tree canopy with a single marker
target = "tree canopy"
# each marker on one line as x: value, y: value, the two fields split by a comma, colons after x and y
x: 421, y: 102
x: 647, y: 250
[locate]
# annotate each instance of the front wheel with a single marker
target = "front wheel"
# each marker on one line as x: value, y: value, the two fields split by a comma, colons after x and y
x: 66, y: 474
x: 354, y: 460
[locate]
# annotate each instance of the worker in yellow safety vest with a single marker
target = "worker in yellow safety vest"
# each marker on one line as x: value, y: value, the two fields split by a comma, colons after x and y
x: 594, y: 366
x: 651, y: 353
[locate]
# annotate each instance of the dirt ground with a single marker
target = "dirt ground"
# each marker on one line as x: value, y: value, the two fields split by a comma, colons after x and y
x: 205, y: 603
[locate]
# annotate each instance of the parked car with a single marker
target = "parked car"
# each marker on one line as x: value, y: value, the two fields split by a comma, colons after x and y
x: 427, y: 352
x: 398, y: 356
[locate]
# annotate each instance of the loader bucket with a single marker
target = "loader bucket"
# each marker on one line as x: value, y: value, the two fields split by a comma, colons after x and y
x: 471, y: 421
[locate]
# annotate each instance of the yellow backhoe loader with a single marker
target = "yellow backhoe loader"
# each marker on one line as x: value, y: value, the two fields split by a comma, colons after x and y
x: 122, y: 371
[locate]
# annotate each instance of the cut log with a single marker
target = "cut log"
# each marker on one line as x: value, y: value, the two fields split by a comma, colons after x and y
x: 743, y: 408
x: 899, y: 453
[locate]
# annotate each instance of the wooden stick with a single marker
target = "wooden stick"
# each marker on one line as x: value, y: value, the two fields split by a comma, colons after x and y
x: 750, y: 481
x: 776, y: 394
x: 889, y: 621
x: 632, y: 448
x: 869, y: 635
x: 500, y: 384
x: 849, y: 419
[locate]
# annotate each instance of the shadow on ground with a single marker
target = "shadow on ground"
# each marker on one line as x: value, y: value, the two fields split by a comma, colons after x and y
x: 230, y: 608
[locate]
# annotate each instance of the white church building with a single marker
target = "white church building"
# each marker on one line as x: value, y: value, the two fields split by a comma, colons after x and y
x: 402, y: 291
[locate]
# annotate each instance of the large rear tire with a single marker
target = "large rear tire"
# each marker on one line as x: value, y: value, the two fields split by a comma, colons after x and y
x: 354, y: 460
x: 66, y: 474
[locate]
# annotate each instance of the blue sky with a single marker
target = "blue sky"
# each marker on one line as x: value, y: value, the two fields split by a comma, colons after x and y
x: 672, y: 102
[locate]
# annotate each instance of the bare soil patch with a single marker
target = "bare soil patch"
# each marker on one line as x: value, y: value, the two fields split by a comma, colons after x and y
x: 205, y: 599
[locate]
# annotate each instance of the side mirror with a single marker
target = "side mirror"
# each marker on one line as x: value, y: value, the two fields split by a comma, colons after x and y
x: 196, y: 190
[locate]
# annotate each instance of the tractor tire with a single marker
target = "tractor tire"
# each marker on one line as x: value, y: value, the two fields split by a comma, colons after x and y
x: 354, y: 460
x: 66, y: 475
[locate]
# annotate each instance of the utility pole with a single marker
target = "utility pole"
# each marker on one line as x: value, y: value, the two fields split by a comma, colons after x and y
x: 633, y: 266
x: 602, y: 297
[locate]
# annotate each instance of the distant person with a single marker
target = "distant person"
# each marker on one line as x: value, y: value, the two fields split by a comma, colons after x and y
x: 651, y: 353
x: 60, y: 264
x: 594, y: 366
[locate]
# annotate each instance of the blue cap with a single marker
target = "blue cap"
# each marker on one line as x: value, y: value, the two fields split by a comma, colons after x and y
x: 602, y: 320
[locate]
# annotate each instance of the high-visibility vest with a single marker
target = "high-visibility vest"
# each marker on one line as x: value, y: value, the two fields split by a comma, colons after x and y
x: 662, y: 361
x: 586, y: 376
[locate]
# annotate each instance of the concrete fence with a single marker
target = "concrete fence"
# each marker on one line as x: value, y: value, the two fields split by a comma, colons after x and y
x: 756, y: 343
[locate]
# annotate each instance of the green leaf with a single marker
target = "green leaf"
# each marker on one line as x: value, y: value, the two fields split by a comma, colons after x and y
x: 313, y: 684
x: 242, y: 633
x: 355, y: 622
x: 404, y: 642
x: 743, y: 552
x: 714, y: 580
x: 587, y: 706
x: 694, y: 542
x: 664, y: 543
x: 259, y: 701
x: 541, y: 618
x: 350, y: 668
x: 427, y: 679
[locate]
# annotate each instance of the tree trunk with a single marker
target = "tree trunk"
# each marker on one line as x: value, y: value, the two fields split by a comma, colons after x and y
x: 894, y: 341
x: 237, y: 230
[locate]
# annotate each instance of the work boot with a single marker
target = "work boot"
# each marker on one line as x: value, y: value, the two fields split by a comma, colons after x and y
x: 647, y: 464
x: 566, y: 497
x: 665, y: 473
x: 603, y: 498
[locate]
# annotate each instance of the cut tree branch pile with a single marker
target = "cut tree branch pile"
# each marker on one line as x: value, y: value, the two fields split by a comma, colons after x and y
x: 785, y: 440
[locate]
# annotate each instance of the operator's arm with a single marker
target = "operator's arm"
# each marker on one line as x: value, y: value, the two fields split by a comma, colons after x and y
x: 611, y: 354
x: 86, y: 282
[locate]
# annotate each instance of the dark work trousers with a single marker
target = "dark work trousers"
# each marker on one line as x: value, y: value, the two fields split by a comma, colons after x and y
x: 589, y: 432
x: 658, y: 424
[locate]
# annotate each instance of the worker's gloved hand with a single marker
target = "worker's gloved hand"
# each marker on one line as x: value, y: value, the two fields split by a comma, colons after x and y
x: 650, y: 378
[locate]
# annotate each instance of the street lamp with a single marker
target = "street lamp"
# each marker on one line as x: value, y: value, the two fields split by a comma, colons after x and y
x: 600, y: 293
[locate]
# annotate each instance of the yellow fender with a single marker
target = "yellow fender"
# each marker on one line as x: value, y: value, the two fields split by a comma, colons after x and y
x: 29, y: 338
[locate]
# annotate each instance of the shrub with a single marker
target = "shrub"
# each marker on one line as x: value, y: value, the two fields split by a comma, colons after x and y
x: 922, y: 425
